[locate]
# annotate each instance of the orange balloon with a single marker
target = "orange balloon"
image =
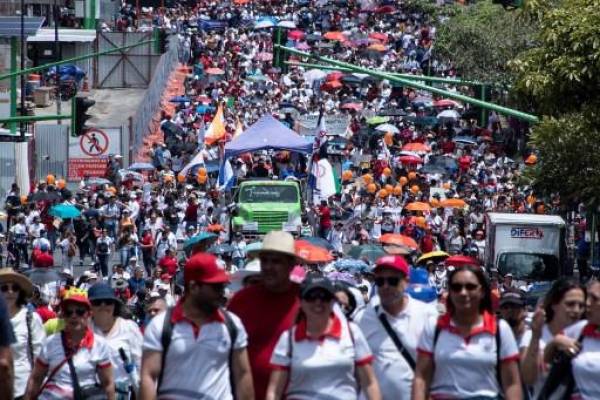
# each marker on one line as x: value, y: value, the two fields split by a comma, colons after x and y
x: 412, y: 176
x: 367, y: 178
x: 202, y: 179
x: 180, y: 178
x: 389, y: 188
x: 371, y: 188
x: 201, y: 171
x: 23, y: 199
x: 347, y: 175
x: 61, y: 184
x: 446, y: 185
x: 112, y: 189
x: 383, y: 193
x: 50, y: 179
x: 414, y: 189
x: 387, y: 171
x: 388, y: 138
x: 397, y: 190
x: 403, y: 180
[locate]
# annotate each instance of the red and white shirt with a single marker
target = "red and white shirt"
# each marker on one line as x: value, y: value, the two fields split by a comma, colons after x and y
x: 93, y: 353
x: 323, y: 367
x: 586, y: 365
x: 197, y: 362
x: 466, y: 366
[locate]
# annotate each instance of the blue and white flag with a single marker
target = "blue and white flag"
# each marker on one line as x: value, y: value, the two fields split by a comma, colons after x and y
x: 226, y: 176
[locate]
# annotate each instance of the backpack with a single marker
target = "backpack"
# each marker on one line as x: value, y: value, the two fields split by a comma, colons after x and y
x: 165, y: 340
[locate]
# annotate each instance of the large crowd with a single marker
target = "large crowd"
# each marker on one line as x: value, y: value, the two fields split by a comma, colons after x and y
x: 135, y: 285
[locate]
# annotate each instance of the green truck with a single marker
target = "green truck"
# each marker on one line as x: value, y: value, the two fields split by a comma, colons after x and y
x: 264, y: 205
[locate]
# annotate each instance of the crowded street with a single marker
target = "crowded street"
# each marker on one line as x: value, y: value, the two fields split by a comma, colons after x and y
x: 321, y: 207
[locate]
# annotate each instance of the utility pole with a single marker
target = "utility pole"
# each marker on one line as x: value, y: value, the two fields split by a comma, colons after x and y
x: 57, y: 57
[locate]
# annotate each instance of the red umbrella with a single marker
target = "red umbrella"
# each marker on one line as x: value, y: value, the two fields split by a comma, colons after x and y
x: 331, y: 85
x: 385, y: 10
x: 296, y: 34
x: 334, y: 35
x: 445, y: 103
x: 460, y: 260
x: 379, y: 36
x: 410, y: 160
x: 352, y: 106
x: 334, y: 76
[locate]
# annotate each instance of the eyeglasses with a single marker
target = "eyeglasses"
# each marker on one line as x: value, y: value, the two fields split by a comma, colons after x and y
x: 391, y: 281
x: 318, y: 295
x: 102, y: 302
x: 458, y: 287
x: 13, y: 287
x: 80, y: 312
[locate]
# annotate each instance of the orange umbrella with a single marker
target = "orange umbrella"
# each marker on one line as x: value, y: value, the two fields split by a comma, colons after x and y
x: 416, y: 147
x: 241, y: 2
x: 418, y: 206
x: 399, y: 240
x: 453, y: 203
x: 310, y: 253
x: 377, y: 47
x: 334, y: 36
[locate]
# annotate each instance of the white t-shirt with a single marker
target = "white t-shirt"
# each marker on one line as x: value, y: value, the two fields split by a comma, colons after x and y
x: 197, y: 362
x: 466, y: 366
x: 325, y: 367
x: 543, y: 368
x: 20, y: 348
x: 93, y: 354
x: 393, y: 372
x: 586, y: 365
x: 126, y: 335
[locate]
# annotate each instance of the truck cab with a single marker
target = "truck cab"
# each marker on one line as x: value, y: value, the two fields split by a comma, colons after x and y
x: 265, y: 205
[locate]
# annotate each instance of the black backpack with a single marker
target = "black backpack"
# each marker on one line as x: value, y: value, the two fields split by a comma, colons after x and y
x: 165, y: 340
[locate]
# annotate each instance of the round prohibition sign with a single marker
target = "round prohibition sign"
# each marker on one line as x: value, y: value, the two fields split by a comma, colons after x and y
x: 94, y: 142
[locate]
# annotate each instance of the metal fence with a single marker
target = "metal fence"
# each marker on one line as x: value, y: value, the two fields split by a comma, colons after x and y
x: 51, y: 150
x: 8, y: 170
x: 140, y: 122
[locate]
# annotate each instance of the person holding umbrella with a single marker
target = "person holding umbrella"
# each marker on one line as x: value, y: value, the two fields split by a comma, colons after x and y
x: 15, y: 289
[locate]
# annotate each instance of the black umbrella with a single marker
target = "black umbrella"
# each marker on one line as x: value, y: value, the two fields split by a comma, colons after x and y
x: 392, y: 112
x: 320, y: 242
x: 170, y: 129
x: 45, y: 196
x: 351, y: 80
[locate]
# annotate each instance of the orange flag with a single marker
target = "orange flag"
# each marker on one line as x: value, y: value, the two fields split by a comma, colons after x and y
x: 216, y: 130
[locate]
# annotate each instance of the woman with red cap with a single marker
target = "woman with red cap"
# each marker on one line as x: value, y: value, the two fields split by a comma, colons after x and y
x: 75, y: 363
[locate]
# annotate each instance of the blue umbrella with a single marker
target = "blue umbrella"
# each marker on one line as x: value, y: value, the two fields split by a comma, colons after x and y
x: 141, y: 166
x: 424, y: 293
x: 253, y: 247
x: 65, y: 211
x: 464, y: 139
x: 180, y: 99
x: 203, y: 109
x: 194, y: 240
x: 351, y: 265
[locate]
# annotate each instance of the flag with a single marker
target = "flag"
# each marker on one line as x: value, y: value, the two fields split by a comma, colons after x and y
x: 216, y: 130
x: 239, y: 128
x: 201, y: 134
x: 226, y: 176
x: 319, y: 137
x: 326, y: 185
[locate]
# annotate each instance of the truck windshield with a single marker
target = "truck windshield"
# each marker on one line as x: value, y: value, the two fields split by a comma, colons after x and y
x: 269, y: 194
x: 529, y: 267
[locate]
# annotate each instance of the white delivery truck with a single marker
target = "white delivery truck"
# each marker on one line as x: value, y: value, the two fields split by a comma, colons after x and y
x: 529, y: 246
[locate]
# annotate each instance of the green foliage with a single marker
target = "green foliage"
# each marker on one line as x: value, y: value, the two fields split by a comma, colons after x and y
x: 480, y: 39
x: 560, y: 78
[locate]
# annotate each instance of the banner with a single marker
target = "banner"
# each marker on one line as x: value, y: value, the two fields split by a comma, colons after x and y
x: 336, y: 124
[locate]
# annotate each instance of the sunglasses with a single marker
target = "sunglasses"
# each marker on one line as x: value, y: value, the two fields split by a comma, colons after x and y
x: 458, y: 287
x: 10, y: 286
x: 80, y: 312
x: 318, y: 295
x: 391, y: 281
x: 103, y: 302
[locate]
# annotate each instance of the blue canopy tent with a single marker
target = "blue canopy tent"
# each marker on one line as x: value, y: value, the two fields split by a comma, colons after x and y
x: 267, y: 133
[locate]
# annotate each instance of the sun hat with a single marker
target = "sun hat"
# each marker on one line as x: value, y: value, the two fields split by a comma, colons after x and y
x: 9, y: 275
x: 278, y: 242
x: 75, y: 295
x: 204, y: 268
x: 315, y: 281
x: 101, y: 291
x: 396, y: 262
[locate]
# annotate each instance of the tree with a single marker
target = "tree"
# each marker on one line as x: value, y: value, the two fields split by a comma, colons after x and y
x: 481, y: 39
x: 560, y: 78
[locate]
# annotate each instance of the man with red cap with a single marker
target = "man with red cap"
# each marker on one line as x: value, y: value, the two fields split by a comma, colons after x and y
x: 195, y: 349
x: 393, y: 327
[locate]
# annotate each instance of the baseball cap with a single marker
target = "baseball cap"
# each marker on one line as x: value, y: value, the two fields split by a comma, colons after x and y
x: 396, y: 262
x: 513, y: 296
x: 203, y: 267
x: 315, y: 281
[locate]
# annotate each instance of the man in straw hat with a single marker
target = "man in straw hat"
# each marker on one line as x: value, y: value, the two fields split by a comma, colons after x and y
x: 270, y: 307
x: 7, y: 338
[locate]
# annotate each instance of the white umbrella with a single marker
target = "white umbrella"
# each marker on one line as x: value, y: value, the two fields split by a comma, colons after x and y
x: 264, y: 24
x: 314, y: 74
x: 287, y: 24
x: 387, y: 128
x: 451, y: 114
